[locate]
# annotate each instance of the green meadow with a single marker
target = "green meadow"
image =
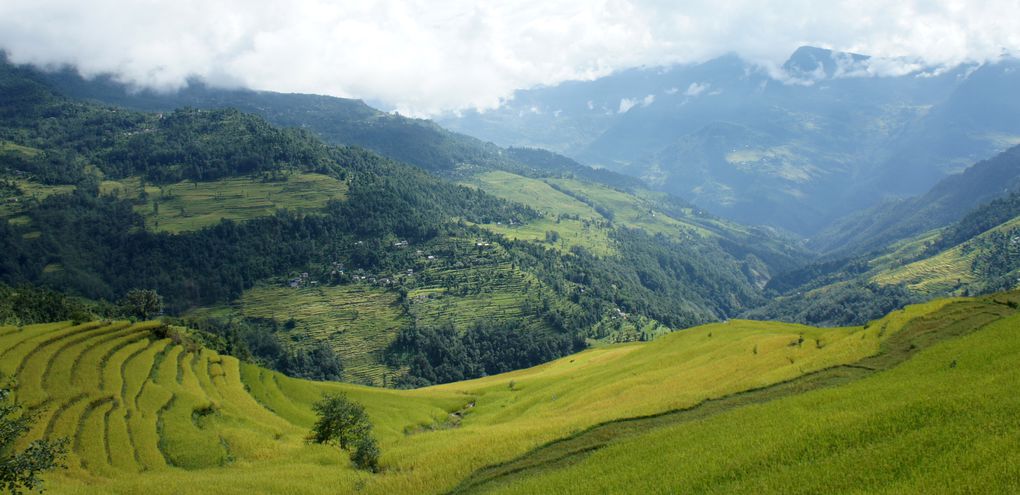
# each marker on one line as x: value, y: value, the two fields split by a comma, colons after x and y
x: 147, y: 414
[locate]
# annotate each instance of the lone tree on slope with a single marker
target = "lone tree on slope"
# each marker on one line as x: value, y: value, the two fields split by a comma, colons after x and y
x: 343, y: 422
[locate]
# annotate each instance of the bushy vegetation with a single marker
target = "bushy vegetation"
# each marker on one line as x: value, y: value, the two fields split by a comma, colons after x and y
x: 979, y: 220
x: 843, y: 303
x: 442, y: 355
x: 21, y: 469
x: 26, y: 304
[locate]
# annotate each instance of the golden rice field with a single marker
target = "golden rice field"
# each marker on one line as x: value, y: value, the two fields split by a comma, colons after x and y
x: 942, y: 422
x: 148, y: 415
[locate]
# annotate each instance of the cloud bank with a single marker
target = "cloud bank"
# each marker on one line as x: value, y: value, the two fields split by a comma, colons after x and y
x: 425, y: 57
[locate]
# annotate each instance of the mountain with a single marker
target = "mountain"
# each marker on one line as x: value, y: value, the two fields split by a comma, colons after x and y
x: 823, y: 136
x: 291, y: 249
x: 338, y: 121
x: 954, y: 240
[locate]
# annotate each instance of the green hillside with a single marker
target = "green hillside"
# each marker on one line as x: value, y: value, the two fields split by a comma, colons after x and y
x: 145, y: 413
x: 219, y: 211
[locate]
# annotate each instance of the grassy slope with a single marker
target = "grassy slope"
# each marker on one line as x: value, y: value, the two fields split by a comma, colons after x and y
x: 943, y: 422
x: 552, y: 203
x: 136, y: 407
x: 589, y: 229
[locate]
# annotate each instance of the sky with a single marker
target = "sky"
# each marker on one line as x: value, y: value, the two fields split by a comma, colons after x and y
x: 431, y: 56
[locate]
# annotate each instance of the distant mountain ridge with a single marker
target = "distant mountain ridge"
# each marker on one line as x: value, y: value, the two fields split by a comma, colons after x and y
x: 946, y: 202
x: 830, y: 133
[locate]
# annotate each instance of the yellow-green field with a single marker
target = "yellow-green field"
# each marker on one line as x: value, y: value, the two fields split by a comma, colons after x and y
x: 147, y: 415
x: 584, y: 230
x: 188, y: 205
x: 8, y: 147
x: 30, y: 191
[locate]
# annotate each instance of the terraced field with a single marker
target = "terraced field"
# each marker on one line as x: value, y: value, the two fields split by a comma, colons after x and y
x: 948, y: 272
x: 631, y: 210
x: 495, y: 293
x: 357, y: 320
x: 13, y: 204
x: 147, y: 415
x: 190, y: 205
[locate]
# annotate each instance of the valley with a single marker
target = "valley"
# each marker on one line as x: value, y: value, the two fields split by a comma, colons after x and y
x: 677, y: 270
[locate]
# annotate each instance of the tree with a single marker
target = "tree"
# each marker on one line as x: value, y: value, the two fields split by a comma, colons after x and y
x: 343, y: 422
x: 20, y: 470
x: 142, y: 303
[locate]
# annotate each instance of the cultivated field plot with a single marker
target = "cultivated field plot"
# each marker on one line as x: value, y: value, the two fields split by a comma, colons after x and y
x: 357, y: 320
x: 492, y: 294
x: 575, y: 223
x: 188, y: 205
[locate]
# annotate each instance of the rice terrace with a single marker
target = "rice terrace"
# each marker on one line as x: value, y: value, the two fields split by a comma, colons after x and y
x: 462, y: 247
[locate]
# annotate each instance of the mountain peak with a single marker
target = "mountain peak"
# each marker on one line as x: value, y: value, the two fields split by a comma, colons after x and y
x: 812, y: 62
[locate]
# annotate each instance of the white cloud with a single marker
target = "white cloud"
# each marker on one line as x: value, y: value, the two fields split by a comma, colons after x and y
x: 696, y: 89
x: 627, y: 103
x: 672, y: 91
x: 425, y: 57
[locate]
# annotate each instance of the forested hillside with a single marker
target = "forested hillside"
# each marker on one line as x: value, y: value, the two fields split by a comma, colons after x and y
x: 214, y: 209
